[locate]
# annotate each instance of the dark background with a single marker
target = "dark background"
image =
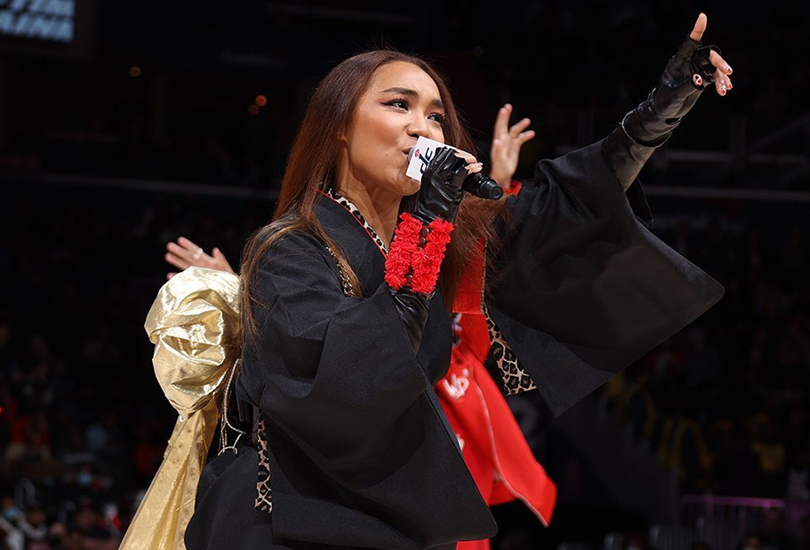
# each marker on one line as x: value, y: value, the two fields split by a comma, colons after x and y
x: 145, y: 127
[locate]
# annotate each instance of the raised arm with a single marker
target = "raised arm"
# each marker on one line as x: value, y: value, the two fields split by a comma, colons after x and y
x: 692, y: 69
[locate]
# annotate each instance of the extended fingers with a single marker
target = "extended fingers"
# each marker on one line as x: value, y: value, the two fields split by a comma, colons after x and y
x: 722, y: 82
x: 523, y: 138
x: 189, y: 254
x: 717, y: 60
x: 501, y: 128
x: 177, y: 261
x: 183, y: 251
x: 518, y: 127
x: 187, y: 244
x: 699, y: 28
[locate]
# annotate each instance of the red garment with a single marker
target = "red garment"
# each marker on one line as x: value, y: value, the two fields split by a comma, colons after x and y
x: 495, y: 451
x: 498, y: 456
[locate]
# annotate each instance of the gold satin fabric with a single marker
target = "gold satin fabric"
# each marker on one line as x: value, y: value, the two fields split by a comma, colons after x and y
x: 195, y: 326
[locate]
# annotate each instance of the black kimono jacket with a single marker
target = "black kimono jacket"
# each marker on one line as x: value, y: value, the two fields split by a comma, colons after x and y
x: 362, y: 455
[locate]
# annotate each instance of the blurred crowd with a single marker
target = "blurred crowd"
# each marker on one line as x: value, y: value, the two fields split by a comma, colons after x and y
x: 83, y: 424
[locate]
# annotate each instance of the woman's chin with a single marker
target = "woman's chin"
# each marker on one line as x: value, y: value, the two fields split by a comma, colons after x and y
x: 410, y: 187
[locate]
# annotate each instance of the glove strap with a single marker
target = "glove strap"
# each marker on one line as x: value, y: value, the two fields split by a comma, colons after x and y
x: 416, y: 254
x: 702, y: 68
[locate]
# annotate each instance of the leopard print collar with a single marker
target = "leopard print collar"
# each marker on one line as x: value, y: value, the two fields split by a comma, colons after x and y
x: 354, y: 211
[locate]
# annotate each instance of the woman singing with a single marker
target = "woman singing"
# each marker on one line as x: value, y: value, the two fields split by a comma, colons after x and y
x: 346, y: 301
x: 495, y: 451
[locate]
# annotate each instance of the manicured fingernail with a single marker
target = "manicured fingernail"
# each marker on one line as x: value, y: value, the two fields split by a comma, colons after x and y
x: 728, y: 69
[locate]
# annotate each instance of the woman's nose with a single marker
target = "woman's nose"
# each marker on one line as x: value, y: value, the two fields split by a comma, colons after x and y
x: 418, y: 127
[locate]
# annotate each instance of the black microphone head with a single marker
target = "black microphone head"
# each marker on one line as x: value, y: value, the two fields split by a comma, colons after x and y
x: 494, y: 191
x: 482, y: 186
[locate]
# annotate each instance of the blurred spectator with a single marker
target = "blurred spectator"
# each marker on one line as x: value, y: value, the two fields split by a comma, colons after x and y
x: 34, y: 528
x: 28, y: 454
x: 90, y: 524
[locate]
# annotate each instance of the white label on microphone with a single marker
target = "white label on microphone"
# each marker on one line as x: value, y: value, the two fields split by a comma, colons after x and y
x: 421, y: 154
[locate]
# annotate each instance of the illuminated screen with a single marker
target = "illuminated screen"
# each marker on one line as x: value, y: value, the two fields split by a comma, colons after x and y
x: 48, y: 20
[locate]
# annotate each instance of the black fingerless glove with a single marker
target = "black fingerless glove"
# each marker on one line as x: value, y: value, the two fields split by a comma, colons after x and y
x: 650, y: 125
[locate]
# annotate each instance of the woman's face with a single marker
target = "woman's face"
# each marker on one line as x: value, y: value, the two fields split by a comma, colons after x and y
x: 400, y: 104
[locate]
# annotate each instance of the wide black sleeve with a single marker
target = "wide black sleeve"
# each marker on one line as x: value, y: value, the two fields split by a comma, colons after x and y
x: 583, y: 288
x: 353, y: 411
x: 325, y: 362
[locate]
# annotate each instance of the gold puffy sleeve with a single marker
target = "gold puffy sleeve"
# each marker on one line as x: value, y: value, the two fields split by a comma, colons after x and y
x: 196, y: 328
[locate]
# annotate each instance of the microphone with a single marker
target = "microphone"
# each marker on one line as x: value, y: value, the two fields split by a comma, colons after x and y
x: 478, y: 184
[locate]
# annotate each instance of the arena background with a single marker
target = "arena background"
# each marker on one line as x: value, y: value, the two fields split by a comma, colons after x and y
x: 126, y: 124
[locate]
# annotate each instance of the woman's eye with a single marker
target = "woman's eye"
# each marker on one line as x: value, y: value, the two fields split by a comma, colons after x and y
x: 405, y: 106
x: 398, y: 103
x: 437, y: 117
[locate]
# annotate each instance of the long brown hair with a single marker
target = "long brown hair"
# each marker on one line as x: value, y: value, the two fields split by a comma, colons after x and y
x: 313, y: 164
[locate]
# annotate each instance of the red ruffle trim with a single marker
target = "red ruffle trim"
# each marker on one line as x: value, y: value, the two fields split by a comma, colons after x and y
x: 406, y: 257
x: 427, y: 261
x: 404, y: 244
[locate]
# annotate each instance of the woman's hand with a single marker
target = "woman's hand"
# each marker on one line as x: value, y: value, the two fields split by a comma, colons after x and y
x: 506, y: 144
x: 722, y: 82
x: 686, y: 75
x: 651, y: 124
x: 184, y: 254
x: 441, y: 192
